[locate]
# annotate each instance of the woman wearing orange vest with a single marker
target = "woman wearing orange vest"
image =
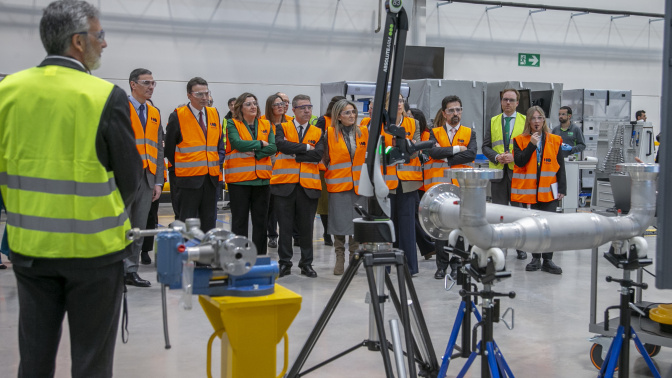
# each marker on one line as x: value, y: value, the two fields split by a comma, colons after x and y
x: 324, y: 123
x: 250, y: 143
x: 404, y: 183
x: 345, y: 151
x: 539, y: 175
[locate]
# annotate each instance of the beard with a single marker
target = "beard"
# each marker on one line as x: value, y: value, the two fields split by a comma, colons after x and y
x: 91, y: 59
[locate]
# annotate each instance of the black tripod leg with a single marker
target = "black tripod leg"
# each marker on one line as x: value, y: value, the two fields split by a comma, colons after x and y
x: 433, y: 362
x: 397, y: 306
x: 405, y: 317
x: 325, y: 316
x: 375, y: 302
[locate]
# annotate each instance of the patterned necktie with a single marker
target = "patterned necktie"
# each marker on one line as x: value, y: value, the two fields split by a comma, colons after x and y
x: 300, y: 133
x: 452, y: 134
x: 143, y: 119
x: 507, y: 132
x: 200, y: 122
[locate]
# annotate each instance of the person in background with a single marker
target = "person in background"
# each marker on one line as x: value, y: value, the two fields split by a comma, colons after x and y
x: 250, y: 143
x: 275, y: 114
x: 572, y: 137
x: 324, y: 123
x: 75, y: 130
x: 230, y: 103
x: 540, y: 165
x: 345, y: 149
x: 640, y: 115
x: 425, y: 243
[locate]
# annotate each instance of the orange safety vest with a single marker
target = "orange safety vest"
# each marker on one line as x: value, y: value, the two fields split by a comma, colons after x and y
x: 407, y: 172
x: 424, y: 136
x: 327, y: 125
x: 287, y: 171
x: 287, y: 119
x: 524, y: 187
x: 365, y: 121
x: 434, y: 169
x: 147, y: 140
x: 197, y: 155
x: 239, y: 166
x: 343, y: 173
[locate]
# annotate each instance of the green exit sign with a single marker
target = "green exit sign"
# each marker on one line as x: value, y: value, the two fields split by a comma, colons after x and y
x: 529, y: 60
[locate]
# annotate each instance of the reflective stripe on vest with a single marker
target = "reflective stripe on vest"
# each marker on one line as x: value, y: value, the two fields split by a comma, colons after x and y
x: 61, y: 201
x: 413, y: 170
x: 197, y: 155
x: 497, y: 136
x: 434, y: 172
x: 524, y: 186
x: 287, y: 171
x: 239, y: 166
x: 147, y: 139
x: 342, y: 173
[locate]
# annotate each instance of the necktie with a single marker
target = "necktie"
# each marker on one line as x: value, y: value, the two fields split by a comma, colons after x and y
x: 200, y: 122
x: 300, y: 133
x: 452, y: 134
x: 507, y: 132
x: 143, y: 119
x: 539, y: 152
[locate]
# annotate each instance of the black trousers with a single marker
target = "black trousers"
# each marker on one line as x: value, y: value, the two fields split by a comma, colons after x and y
x: 272, y: 224
x: 174, y: 194
x: 501, y: 191
x: 246, y: 200
x: 92, y: 299
x: 542, y: 206
x: 296, y: 210
x: 199, y: 203
x: 152, y: 221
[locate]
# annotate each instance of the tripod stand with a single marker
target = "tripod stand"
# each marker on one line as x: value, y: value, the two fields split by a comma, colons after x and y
x: 619, y: 350
x: 377, y: 255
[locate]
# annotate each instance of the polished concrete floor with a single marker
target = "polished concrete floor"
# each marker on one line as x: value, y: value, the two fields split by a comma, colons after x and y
x: 550, y: 338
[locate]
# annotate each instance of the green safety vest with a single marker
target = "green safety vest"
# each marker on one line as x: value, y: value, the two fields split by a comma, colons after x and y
x: 497, y: 136
x: 61, y: 201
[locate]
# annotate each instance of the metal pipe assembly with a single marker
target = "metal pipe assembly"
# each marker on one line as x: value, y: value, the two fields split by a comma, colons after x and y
x: 487, y: 226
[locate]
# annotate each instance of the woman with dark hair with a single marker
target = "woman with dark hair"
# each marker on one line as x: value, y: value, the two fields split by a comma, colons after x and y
x: 539, y: 180
x: 424, y: 242
x: 275, y: 114
x: 250, y: 143
x: 324, y: 123
x: 345, y: 149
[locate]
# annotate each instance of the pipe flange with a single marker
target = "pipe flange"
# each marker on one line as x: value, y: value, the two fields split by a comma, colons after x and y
x: 237, y: 255
x: 431, y: 202
x: 476, y: 173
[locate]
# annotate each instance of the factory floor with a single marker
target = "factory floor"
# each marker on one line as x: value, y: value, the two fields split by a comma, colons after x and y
x: 550, y: 338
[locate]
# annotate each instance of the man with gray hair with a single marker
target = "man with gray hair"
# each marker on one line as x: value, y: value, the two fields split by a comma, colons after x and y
x: 68, y: 170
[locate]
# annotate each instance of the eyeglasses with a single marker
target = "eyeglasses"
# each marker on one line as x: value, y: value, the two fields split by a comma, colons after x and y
x: 100, y: 36
x: 538, y: 118
x: 349, y: 112
x: 304, y: 107
x: 278, y: 105
x: 509, y: 100
x: 147, y: 83
x: 203, y: 94
x: 454, y: 110
x: 401, y: 101
x: 250, y: 103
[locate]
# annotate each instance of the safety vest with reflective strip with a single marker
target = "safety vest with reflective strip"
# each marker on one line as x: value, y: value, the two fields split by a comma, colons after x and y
x: 239, y: 166
x: 61, y: 201
x: 497, y: 136
x: 343, y: 173
x: 524, y: 187
x: 365, y: 121
x: 327, y: 125
x: 411, y: 171
x: 287, y: 119
x: 287, y: 171
x: 147, y: 140
x: 424, y: 136
x: 434, y: 169
x: 196, y: 155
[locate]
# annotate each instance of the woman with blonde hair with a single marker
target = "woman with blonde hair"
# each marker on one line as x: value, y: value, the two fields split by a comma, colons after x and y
x: 539, y: 180
x: 345, y: 151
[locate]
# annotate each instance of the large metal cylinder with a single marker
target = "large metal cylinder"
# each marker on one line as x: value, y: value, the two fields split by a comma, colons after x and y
x: 496, y: 226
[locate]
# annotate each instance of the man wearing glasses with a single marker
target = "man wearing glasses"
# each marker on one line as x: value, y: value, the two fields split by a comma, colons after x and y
x: 68, y: 169
x: 498, y: 147
x: 296, y: 185
x: 193, y: 146
x: 455, y: 148
x: 146, y: 121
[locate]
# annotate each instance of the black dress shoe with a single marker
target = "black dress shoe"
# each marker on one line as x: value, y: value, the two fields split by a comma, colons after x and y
x: 328, y: 241
x: 273, y: 242
x: 134, y: 280
x: 144, y: 258
x: 308, y: 271
x: 3, y: 266
x: 429, y: 255
x: 550, y: 267
x: 285, y: 270
x: 440, y: 274
x: 522, y: 255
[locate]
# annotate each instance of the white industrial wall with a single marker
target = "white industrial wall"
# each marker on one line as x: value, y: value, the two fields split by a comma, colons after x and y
x: 264, y: 46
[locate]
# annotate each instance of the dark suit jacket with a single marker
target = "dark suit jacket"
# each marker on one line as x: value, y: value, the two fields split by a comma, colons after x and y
x: 302, y: 156
x: 173, y: 138
x: 463, y: 157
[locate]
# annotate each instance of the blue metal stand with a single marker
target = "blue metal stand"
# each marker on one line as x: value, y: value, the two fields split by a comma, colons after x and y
x: 615, y: 350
